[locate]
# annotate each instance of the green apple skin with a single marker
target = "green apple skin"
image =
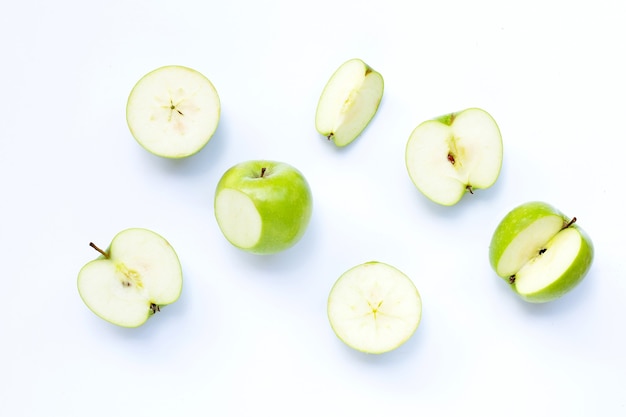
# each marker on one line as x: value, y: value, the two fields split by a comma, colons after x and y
x: 282, y: 197
x: 518, y: 220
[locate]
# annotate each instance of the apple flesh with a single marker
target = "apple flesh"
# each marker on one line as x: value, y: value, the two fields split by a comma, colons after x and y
x: 374, y: 308
x: 263, y: 207
x: 130, y: 281
x: 540, y: 252
x: 454, y: 154
x: 173, y: 111
x: 348, y: 102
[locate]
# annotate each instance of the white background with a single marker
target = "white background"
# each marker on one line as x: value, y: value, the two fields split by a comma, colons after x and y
x: 249, y: 335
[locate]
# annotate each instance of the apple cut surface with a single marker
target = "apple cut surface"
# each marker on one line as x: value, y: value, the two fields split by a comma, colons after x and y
x: 240, y: 221
x: 173, y: 111
x: 562, y: 264
x: 138, y: 274
x: 526, y: 243
x: 348, y: 102
x: 374, y: 308
x: 453, y: 154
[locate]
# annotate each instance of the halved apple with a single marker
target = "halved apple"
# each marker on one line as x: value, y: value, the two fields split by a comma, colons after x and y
x: 541, y: 253
x: 130, y: 281
x: 348, y: 102
x: 173, y: 111
x: 374, y: 308
x: 454, y: 154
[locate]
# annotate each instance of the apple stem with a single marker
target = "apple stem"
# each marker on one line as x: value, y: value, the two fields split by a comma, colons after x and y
x: 93, y: 245
x: 470, y: 189
x: 263, y: 171
x: 571, y: 222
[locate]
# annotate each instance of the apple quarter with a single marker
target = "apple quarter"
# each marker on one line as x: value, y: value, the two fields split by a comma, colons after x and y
x: 374, y: 307
x: 173, y: 111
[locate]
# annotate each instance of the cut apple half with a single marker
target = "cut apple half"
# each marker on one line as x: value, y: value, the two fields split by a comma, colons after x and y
x: 540, y: 252
x: 454, y: 154
x: 130, y: 281
x: 374, y: 308
x: 348, y: 102
x: 173, y: 111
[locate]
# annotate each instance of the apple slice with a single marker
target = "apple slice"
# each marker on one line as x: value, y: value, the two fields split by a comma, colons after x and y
x: 133, y: 279
x: 374, y: 308
x: 348, y: 102
x: 263, y: 207
x: 173, y: 111
x: 453, y: 154
x: 542, y: 253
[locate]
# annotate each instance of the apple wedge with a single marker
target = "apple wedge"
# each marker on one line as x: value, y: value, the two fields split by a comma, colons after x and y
x: 540, y: 252
x: 374, y: 308
x: 348, y: 102
x: 173, y: 111
x: 130, y: 281
x: 454, y: 154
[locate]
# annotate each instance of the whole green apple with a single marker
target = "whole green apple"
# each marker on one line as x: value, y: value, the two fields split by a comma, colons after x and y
x: 540, y: 252
x: 263, y: 207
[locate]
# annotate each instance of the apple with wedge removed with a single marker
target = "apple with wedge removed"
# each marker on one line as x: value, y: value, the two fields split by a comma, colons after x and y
x: 348, y: 102
x: 374, y: 307
x: 173, y: 111
x: 540, y: 252
x: 263, y: 207
x: 454, y: 154
x: 130, y: 281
